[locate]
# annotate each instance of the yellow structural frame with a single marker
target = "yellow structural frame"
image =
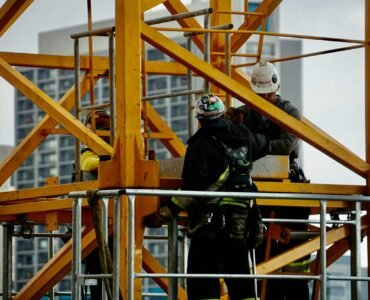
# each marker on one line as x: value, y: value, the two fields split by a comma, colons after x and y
x: 129, y: 166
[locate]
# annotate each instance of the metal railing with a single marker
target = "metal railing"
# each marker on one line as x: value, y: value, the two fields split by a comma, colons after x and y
x: 132, y: 275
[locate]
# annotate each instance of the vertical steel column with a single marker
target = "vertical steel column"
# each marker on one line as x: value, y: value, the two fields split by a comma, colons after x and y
x: 182, y: 255
x: 116, y: 247
x: 77, y: 106
x: 112, y: 87
x: 131, y: 247
x: 7, y: 260
x: 207, y: 50
x: 76, y: 248
x: 228, y: 65
x: 323, y: 249
x: 173, y: 245
x: 190, y: 96
x: 104, y: 203
x: 50, y: 256
x: 367, y: 119
x: 356, y: 252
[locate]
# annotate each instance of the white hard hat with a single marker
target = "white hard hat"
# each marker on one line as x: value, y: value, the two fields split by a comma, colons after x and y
x: 265, y: 78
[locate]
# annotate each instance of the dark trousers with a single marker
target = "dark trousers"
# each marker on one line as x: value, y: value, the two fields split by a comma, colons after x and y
x: 212, y: 253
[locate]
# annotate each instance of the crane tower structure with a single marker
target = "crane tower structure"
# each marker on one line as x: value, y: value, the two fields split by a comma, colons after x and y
x: 129, y: 170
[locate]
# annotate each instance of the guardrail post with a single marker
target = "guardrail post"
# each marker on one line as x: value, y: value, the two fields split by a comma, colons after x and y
x: 7, y: 260
x: 76, y: 248
x: 131, y: 246
x: 356, y: 252
x: 323, y: 249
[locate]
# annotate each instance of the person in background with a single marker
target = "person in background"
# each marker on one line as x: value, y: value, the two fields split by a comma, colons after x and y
x: 89, y: 162
x: 265, y: 82
x: 218, y: 228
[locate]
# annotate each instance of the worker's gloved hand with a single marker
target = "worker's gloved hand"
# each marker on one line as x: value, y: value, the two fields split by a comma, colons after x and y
x: 158, y: 218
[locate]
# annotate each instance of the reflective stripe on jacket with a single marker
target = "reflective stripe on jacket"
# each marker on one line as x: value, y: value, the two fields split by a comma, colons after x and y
x: 302, y: 266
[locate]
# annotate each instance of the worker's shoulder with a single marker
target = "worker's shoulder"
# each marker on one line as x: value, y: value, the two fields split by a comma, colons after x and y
x: 288, y: 107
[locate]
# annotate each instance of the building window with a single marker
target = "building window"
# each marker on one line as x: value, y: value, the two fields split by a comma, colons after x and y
x: 65, y: 84
x: 25, y: 175
x: 66, y: 141
x: 154, y: 54
x: 48, y: 87
x: 66, y: 73
x: 24, y: 259
x: 48, y: 158
x: 47, y: 172
x: 178, y: 81
x: 28, y: 74
x: 66, y: 170
x: 179, y: 125
x: 158, y: 83
x: 179, y: 110
x: 67, y: 155
x: 24, y: 245
x: 46, y: 74
x: 25, y: 119
x: 49, y: 144
x: 24, y: 105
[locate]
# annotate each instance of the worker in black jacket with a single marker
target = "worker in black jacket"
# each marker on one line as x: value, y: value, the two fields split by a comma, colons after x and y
x: 218, y: 227
x: 265, y: 82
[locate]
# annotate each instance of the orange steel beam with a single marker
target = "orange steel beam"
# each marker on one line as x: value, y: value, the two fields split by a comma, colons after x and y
x: 10, y: 11
x: 241, y: 92
x: 128, y: 116
x: 44, y: 206
x: 36, y: 136
x: 56, y: 268
x: 165, y: 68
x: 367, y: 116
x: 101, y: 63
x: 151, y: 265
x: 237, y: 40
x: 306, y: 248
x: 176, y: 7
x: 157, y: 124
x: 47, y: 104
x: 50, y: 191
x: 149, y: 4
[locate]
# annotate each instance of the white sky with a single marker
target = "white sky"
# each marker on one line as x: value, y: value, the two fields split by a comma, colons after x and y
x: 333, y: 87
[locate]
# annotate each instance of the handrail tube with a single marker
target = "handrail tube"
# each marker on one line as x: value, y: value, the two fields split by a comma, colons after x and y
x: 268, y: 33
x: 273, y: 196
x: 304, y: 221
x: 245, y: 276
x: 98, y: 32
x: 323, y: 198
x: 323, y: 285
x: 174, y: 94
x: 131, y: 247
x: 76, y: 247
x: 94, y: 276
x: 116, y: 247
x: 181, y: 16
x: 223, y: 26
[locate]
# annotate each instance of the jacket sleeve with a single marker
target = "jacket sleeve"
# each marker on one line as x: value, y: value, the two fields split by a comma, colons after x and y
x: 259, y: 144
x: 89, y: 161
x: 287, y: 141
x: 201, y: 170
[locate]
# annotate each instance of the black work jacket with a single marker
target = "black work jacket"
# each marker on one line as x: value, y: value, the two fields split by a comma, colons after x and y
x: 204, y: 162
x: 282, y: 142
